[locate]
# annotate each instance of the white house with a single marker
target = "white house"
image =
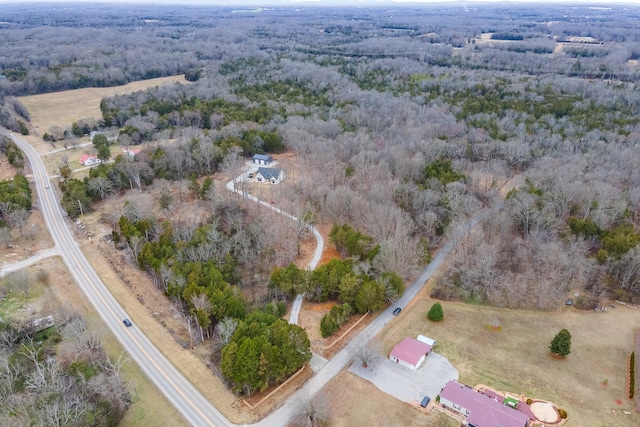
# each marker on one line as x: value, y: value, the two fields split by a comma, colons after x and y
x: 410, y: 353
x: 262, y: 159
x: 89, y: 160
x: 271, y: 175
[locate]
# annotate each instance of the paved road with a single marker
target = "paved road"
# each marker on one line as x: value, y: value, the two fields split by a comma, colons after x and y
x: 19, y: 265
x: 187, y: 400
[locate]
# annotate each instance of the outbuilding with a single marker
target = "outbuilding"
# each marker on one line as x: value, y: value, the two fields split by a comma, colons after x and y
x: 410, y: 353
x: 262, y: 159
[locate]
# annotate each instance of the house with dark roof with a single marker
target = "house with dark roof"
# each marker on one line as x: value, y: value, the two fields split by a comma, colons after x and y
x: 410, y: 353
x: 262, y: 159
x: 271, y: 175
x: 481, y: 410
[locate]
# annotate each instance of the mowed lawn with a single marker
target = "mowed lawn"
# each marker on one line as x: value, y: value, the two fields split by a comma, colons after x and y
x: 63, y: 108
x: 590, y: 384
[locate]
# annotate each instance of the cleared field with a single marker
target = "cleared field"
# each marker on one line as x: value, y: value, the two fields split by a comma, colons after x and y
x: 63, y: 108
x: 590, y: 384
x: 356, y: 402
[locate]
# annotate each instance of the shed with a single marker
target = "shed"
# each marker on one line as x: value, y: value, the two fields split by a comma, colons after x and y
x: 410, y: 353
x: 427, y: 340
x: 262, y: 159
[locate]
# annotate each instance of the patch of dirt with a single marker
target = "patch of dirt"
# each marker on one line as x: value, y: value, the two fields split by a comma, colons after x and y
x: 309, y: 318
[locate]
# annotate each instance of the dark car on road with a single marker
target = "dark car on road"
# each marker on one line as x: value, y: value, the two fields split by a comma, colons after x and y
x: 425, y: 401
x: 127, y: 322
x: 397, y: 311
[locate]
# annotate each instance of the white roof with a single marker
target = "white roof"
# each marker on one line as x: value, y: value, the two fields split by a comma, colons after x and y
x: 426, y: 340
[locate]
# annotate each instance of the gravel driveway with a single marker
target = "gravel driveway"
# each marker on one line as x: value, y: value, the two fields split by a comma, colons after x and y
x: 405, y: 384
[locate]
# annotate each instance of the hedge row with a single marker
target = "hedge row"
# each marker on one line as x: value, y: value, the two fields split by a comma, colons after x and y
x: 632, y: 375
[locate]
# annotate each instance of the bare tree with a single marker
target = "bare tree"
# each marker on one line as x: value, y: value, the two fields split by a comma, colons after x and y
x: 310, y: 411
x: 18, y: 218
x: 135, y: 246
x: 5, y: 236
x: 100, y: 185
x: 135, y: 171
x: 366, y: 353
x: 202, y: 309
x: 225, y: 330
x: 232, y: 163
x: 20, y: 279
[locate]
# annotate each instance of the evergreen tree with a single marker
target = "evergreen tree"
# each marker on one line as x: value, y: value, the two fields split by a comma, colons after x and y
x: 436, y: 313
x: 561, y: 343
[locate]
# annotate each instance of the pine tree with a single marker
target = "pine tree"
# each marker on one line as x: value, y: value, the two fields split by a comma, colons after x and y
x: 436, y: 313
x: 561, y: 343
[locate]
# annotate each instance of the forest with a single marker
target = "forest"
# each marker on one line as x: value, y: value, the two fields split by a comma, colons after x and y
x: 404, y: 123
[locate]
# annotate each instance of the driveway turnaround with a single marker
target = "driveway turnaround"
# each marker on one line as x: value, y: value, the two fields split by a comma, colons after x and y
x: 405, y: 384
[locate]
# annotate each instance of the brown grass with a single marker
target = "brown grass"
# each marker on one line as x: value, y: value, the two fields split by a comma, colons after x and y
x: 517, y: 359
x: 63, y: 108
x: 357, y: 402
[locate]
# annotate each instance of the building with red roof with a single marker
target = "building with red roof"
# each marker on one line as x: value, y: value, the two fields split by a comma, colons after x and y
x: 88, y: 160
x: 481, y: 410
x: 410, y: 353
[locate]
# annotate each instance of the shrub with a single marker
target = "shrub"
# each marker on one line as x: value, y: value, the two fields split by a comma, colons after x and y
x: 562, y: 413
x: 436, y: 313
x: 632, y: 375
x: 328, y: 325
x: 529, y: 401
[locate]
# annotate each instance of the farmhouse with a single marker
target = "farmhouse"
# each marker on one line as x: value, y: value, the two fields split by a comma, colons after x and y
x: 262, y: 159
x: 410, y: 353
x: 88, y: 160
x: 481, y: 410
x: 271, y: 175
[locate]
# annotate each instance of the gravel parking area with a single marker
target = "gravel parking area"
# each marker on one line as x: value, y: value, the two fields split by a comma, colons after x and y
x: 405, y: 384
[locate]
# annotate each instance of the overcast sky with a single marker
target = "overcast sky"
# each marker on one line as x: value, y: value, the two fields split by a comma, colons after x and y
x: 266, y: 3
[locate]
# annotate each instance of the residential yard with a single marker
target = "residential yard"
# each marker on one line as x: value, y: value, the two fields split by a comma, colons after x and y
x: 590, y: 384
x: 357, y: 402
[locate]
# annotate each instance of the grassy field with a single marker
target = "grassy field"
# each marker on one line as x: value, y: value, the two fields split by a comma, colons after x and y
x: 357, y: 402
x: 590, y: 384
x: 63, y: 108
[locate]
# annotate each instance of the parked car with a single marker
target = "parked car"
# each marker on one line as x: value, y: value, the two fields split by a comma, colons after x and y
x: 397, y: 311
x: 127, y: 322
x: 425, y: 401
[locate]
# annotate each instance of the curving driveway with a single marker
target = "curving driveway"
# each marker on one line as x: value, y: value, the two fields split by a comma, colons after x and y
x: 317, y: 254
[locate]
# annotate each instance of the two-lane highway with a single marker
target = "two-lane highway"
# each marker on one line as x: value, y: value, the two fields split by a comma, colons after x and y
x: 190, y: 403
